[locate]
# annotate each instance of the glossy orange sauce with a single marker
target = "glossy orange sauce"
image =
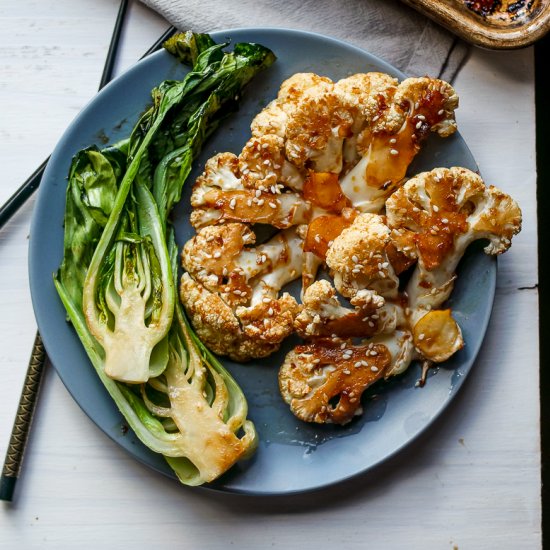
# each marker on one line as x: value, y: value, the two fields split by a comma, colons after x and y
x: 324, y: 229
x: 323, y: 189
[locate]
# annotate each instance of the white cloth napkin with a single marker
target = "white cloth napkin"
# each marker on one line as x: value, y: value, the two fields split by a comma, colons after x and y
x: 385, y: 28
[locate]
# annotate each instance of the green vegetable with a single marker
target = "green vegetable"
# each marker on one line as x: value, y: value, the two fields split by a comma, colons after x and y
x: 118, y: 277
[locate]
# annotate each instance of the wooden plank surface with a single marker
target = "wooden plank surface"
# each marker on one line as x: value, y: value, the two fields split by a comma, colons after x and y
x: 472, y: 482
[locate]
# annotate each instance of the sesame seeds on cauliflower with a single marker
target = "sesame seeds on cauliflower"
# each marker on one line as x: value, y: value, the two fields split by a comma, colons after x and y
x: 231, y: 289
x: 326, y: 166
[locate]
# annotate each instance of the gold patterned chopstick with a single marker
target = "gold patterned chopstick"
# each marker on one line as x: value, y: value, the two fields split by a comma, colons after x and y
x: 23, y: 420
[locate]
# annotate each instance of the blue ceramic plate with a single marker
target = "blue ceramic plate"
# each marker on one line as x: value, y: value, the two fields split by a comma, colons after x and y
x: 292, y: 456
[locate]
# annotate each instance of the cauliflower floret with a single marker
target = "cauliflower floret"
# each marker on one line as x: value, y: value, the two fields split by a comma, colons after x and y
x: 358, y: 258
x: 371, y: 93
x: 273, y: 119
x: 388, y: 145
x: 315, y: 132
x: 219, y: 195
x: 447, y: 209
x: 263, y: 166
x: 369, y: 96
x: 230, y: 290
x: 323, y: 315
x: 323, y: 381
x: 298, y: 85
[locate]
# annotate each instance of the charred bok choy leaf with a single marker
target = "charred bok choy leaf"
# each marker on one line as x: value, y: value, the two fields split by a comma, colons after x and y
x: 118, y: 276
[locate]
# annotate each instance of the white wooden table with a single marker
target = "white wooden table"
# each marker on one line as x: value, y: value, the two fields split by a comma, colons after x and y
x: 472, y: 482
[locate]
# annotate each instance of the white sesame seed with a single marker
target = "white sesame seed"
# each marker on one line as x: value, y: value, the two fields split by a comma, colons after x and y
x: 373, y: 353
x: 343, y: 346
x: 358, y: 364
x: 249, y: 202
x: 371, y: 324
x: 394, y: 152
x: 272, y: 205
x: 355, y: 258
x: 232, y: 204
x: 265, y: 145
x: 237, y: 292
x: 266, y: 300
x: 440, y: 112
x: 346, y: 371
x: 217, y: 254
x: 374, y: 369
x: 393, y: 140
x: 270, y: 311
x: 276, y: 166
x: 317, y: 239
x: 316, y: 361
x: 258, y: 193
x: 209, y: 239
x: 207, y: 255
x: 435, y: 208
x: 265, y: 162
x: 385, y: 265
x: 260, y: 202
x: 381, y: 274
x: 330, y: 243
x: 444, y: 220
x: 419, y: 125
x: 421, y: 337
x: 420, y: 117
x: 224, y: 271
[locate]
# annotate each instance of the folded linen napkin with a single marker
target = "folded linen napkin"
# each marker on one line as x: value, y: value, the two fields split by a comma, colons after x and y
x: 385, y: 28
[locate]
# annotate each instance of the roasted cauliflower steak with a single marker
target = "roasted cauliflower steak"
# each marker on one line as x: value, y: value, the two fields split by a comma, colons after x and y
x: 376, y: 249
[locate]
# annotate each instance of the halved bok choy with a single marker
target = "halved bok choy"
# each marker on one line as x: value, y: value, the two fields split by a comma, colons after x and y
x: 118, y: 276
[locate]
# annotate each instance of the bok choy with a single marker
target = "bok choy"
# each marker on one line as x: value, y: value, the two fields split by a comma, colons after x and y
x: 118, y: 277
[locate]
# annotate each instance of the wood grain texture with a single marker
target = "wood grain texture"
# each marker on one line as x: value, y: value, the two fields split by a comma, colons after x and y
x: 472, y: 482
x: 506, y: 32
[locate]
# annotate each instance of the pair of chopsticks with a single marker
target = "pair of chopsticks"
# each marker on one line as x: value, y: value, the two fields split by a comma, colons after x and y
x: 31, y: 385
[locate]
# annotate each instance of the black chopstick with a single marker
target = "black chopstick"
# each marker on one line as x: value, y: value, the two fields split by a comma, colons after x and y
x: 12, y: 205
x: 33, y: 378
